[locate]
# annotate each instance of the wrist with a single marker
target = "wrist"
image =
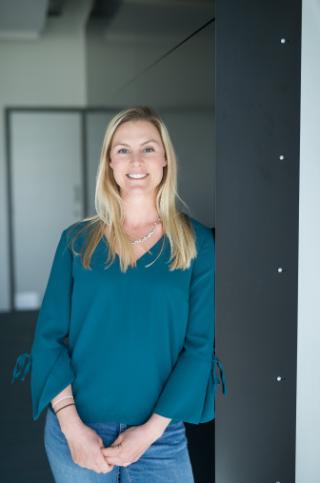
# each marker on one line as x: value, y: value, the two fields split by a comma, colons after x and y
x: 68, y: 419
x: 157, y: 424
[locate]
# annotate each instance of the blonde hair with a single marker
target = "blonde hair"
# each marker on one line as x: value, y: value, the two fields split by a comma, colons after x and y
x: 109, y: 207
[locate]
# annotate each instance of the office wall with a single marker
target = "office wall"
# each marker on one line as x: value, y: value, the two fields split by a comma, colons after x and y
x: 308, y: 378
x: 48, y: 71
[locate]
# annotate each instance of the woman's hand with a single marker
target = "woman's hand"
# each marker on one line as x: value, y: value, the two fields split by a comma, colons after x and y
x: 85, y: 447
x: 133, y: 443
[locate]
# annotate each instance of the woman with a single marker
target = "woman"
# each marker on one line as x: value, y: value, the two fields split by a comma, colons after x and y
x: 139, y: 360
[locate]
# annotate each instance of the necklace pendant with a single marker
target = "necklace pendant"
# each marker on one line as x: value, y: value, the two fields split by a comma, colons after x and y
x: 148, y: 235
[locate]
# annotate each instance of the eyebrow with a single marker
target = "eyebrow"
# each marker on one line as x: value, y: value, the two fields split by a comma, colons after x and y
x: 145, y: 142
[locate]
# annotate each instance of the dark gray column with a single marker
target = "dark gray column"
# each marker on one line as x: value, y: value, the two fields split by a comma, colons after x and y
x: 257, y: 198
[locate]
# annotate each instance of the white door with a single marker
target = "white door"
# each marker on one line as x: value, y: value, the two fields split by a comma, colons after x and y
x: 47, y: 194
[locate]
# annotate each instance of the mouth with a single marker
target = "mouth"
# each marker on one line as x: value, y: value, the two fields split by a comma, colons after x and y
x: 137, y: 176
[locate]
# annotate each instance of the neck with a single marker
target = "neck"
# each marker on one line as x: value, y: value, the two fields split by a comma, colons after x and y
x: 140, y: 211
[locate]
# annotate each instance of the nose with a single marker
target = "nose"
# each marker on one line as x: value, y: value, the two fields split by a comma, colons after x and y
x: 135, y: 158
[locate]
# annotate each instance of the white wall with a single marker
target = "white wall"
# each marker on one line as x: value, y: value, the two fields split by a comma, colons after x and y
x: 49, y: 71
x: 308, y: 365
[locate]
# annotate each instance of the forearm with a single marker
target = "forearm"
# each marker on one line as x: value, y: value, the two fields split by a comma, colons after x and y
x: 157, y: 424
x: 68, y: 416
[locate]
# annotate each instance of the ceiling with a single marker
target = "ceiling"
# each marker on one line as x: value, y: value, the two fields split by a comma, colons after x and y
x: 28, y: 19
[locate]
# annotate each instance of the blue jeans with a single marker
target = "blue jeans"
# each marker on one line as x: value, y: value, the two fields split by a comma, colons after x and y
x: 166, y: 460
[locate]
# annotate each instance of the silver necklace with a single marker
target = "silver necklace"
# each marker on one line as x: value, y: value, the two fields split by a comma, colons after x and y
x: 148, y: 235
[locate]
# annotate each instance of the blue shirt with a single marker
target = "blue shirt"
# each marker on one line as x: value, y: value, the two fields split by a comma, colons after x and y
x: 139, y: 342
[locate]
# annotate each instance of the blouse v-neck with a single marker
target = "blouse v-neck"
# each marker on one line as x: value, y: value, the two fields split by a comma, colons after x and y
x: 144, y: 255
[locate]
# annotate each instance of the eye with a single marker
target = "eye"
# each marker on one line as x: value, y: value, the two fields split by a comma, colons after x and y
x: 121, y: 149
x: 150, y: 147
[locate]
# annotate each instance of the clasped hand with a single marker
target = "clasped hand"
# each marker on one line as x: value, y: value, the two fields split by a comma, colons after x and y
x: 129, y: 446
x: 87, y: 449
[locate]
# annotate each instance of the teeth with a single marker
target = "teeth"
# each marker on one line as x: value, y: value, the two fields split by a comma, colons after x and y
x: 136, y: 176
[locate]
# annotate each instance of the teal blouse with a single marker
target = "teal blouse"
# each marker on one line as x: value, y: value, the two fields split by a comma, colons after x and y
x: 139, y: 342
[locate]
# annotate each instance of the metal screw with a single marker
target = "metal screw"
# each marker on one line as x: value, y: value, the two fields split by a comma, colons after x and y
x: 283, y: 41
x: 280, y: 269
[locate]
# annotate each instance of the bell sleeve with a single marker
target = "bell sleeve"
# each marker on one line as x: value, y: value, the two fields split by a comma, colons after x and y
x: 189, y: 392
x: 49, y: 360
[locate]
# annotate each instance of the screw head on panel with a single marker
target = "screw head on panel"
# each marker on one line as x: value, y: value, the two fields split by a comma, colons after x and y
x: 279, y: 269
x: 283, y: 40
x: 281, y: 157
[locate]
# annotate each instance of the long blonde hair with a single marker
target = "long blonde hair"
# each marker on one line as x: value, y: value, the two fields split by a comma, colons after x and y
x: 109, y: 207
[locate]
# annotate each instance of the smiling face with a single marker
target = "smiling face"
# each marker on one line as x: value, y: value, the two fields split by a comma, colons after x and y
x: 137, y: 156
